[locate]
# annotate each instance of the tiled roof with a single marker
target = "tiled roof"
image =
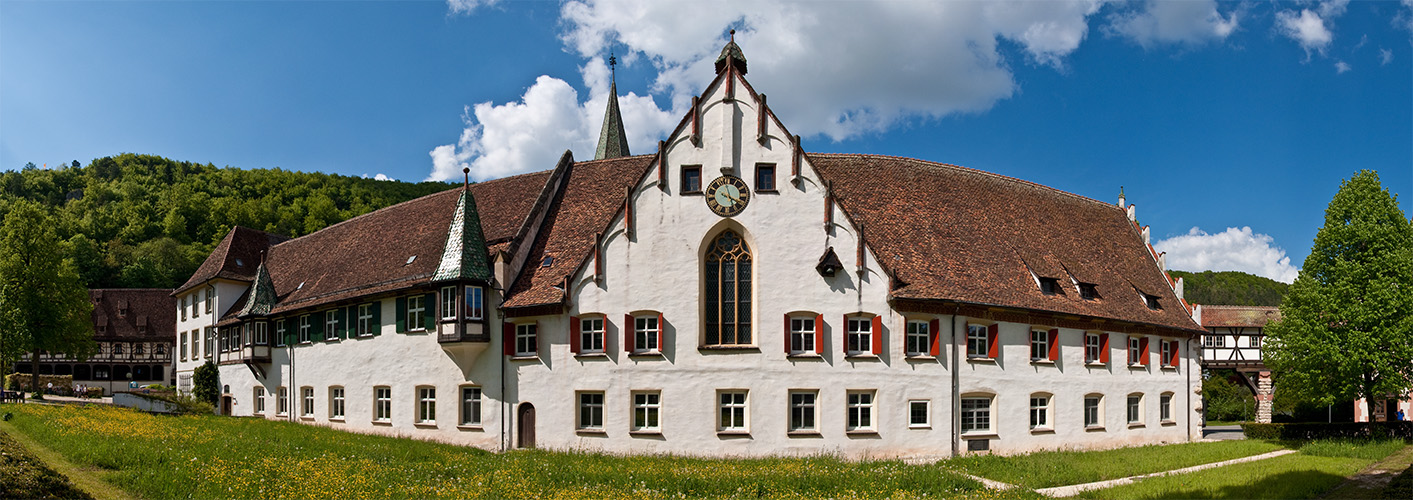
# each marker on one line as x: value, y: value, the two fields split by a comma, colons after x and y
x: 593, y: 193
x: 1238, y: 316
x: 121, y: 310
x: 955, y: 234
x: 234, y: 258
x: 505, y: 203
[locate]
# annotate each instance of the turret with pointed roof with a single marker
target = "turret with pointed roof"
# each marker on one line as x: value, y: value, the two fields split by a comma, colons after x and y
x: 465, y: 256
x: 613, y: 142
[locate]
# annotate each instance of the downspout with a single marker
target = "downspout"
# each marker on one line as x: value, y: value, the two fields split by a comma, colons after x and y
x: 1189, y: 389
x: 956, y: 388
x: 289, y: 408
x: 504, y: 420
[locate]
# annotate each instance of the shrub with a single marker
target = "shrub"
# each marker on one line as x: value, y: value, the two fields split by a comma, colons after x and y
x: 207, y: 383
x: 1338, y: 430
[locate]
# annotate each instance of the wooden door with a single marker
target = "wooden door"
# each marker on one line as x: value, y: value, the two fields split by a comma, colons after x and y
x: 225, y: 405
x: 526, y: 436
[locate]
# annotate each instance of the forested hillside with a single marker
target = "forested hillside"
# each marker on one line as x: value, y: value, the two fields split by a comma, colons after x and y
x: 1230, y: 288
x: 147, y: 221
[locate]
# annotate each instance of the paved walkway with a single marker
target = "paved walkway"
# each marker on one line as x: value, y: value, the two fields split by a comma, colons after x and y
x: 1066, y: 491
x: 1223, y: 432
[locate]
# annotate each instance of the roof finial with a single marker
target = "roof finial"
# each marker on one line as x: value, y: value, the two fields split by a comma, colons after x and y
x: 612, y: 71
x: 733, y: 36
x: 466, y: 174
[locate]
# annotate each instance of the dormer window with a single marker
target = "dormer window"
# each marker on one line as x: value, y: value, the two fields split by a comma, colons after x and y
x: 1088, y: 291
x: 549, y: 261
x: 410, y: 259
x: 1152, y: 302
x: 1049, y: 286
x: 240, y: 263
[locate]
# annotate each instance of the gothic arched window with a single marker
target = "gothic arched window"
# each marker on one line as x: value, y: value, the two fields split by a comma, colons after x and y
x: 728, y: 291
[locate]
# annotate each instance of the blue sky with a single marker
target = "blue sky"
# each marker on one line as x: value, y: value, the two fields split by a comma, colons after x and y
x: 1230, y: 125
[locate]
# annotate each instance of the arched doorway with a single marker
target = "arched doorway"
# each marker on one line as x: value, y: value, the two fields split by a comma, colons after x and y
x: 226, y: 405
x: 525, y: 438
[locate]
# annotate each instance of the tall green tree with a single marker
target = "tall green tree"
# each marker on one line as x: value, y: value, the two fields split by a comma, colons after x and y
x: 44, y: 306
x: 1346, y: 327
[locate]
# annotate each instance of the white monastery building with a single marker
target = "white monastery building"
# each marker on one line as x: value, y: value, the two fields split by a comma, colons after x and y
x: 729, y: 294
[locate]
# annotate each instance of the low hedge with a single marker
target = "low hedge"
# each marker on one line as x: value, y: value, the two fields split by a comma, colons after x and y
x: 1341, y: 430
x: 1401, y: 486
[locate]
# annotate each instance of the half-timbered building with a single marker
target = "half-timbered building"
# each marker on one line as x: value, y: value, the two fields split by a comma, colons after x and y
x: 134, y: 330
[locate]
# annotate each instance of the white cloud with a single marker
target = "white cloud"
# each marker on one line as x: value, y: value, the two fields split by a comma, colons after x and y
x: 467, y: 6
x: 1311, y: 28
x: 381, y: 177
x: 1231, y: 250
x: 1161, y: 22
x: 1341, y: 67
x: 1385, y: 57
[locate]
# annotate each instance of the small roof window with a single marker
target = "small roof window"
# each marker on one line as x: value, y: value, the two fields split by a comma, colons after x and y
x: 549, y: 261
x: 1088, y: 291
x: 410, y: 259
x: 240, y: 263
x: 1152, y: 302
x: 1049, y: 286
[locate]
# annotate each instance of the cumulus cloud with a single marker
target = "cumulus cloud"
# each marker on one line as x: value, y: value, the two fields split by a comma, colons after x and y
x: 849, y: 69
x: 1385, y: 57
x: 1157, y: 22
x: 466, y: 6
x: 1231, y: 250
x: 1311, y: 28
x: 1341, y: 67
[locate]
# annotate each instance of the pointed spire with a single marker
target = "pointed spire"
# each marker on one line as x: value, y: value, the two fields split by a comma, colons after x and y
x: 261, y: 298
x: 465, y: 256
x: 731, y: 52
x: 613, y: 142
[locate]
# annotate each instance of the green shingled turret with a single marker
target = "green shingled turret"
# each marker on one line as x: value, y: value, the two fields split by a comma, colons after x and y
x: 261, y: 298
x: 465, y: 256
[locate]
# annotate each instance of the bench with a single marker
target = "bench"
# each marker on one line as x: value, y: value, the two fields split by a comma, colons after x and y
x: 12, y: 397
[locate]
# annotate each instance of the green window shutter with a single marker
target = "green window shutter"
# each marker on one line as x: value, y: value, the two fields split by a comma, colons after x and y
x: 429, y: 317
x: 377, y: 317
x: 401, y: 315
x: 316, y: 327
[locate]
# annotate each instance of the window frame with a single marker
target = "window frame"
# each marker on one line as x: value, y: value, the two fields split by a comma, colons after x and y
x: 972, y: 415
x: 426, y: 405
x: 475, y: 301
x: 382, y: 404
x: 280, y: 333
x: 649, y: 405
x: 741, y: 409
x: 1093, y: 413
x: 861, y: 407
x: 1043, y: 344
x: 527, y: 340
x: 917, y: 333
x: 305, y: 329
x: 416, y: 313
x: 364, y: 326
x: 471, y: 408
x: 644, y: 335
x: 448, y: 296
x: 183, y: 348
x: 1093, y: 348
x: 331, y: 324
x: 337, y: 400
x: 978, y: 347
x: 589, y: 416
x: 728, y: 251
x: 696, y: 170
x: 858, y: 342
x: 1134, y: 410
x: 803, y: 410
x: 926, y: 414
x: 589, y: 337
x: 765, y: 171
x: 210, y: 297
x: 282, y: 401
x: 259, y: 398
x: 803, y: 340
x: 1165, y: 408
x: 1042, y: 414
x: 262, y: 333
x: 306, y: 402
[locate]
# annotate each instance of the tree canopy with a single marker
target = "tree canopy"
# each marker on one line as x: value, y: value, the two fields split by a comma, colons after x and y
x: 1346, y: 327
x: 43, y: 305
x: 1233, y: 288
x: 137, y: 221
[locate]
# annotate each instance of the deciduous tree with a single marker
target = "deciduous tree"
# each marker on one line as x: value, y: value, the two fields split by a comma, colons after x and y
x: 1346, y: 327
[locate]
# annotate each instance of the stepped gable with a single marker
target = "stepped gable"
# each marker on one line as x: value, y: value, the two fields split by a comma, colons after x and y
x: 369, y: 254
x: 234, y: 258
x: 956, y: 234
x: 592, y: 194
x: 1238, y: 316
x: 121, y: 310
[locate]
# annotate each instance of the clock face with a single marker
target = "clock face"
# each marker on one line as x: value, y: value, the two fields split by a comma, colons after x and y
x: 727, y: 195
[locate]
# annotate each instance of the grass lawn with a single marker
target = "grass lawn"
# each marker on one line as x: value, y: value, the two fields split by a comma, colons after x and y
x: 217, y: 457
x: 1061, y: 468
x: 24, y: 476
x: 1317, y: 468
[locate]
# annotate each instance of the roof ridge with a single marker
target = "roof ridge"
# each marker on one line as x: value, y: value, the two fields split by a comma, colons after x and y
x: 972, y: 170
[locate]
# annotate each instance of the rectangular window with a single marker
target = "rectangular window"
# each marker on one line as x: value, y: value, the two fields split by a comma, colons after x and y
x: 1049, y: 286
x: 475, y: 303
x: 1088, y: 291
x: 1091, y: 411
x: 976, y: 415
x: 448, y: 302
x: 1165, y: 407
x: 978, y: 341
x: 857, y: 334
x: 280, y: 333
x: 1167, y: 353
x: 1091, y: 348
x: 860, y: 411
x: 426, y: 405
x: 1039, y: 344
x: 591, y: 335
x: 1152, y: 302
x: 1039, y: 412
x: 919, y: 339
x: 691, y: 179
x: 590, y: 411
x: 331, y: 324
x: 416, y: 309
x: 183, y: 344
x: 195, y: 344
x: 733, y: 411
x: 304, y: 329
x: 282, y: 402
x: 186, y: 303
x: 919, y: 413
x: 307, y: 399
x: 1256, y: 341
x: 210, y: 297
x: 526, y: 339
x: 802, y: 411
x: 262, y: 334
x: 645, y: 330
x: 470, y: 406
x: 382, y: 404
x: 259, y: 399
x: 1134, y: 351
x: 802, y: 332
x: 210, y: 340
x: 647, y: 411
x: 336, y: 402
x: 1135, y: 409
x: 365, y: 319
x: 765, y: 177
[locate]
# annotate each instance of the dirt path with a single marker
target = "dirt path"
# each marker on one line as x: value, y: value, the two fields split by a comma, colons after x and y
x: 1370, y: 482
x: 85, y: 480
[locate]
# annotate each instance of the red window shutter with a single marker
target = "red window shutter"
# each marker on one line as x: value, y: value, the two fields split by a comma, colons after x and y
x: 1177, y: 346
x: 1054, y: 344
x: 1103, y: 348
x: 661, y: 328
x: 508, y: 342
x: 628, y: 333
x: 574, y: 339
x: 933, y: 329
x: 539, y: 337
x: 992, y: 333
x: 819, y: 334
x: 1143, y: 351
x: 787, y: 333
x: 877, y: 335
